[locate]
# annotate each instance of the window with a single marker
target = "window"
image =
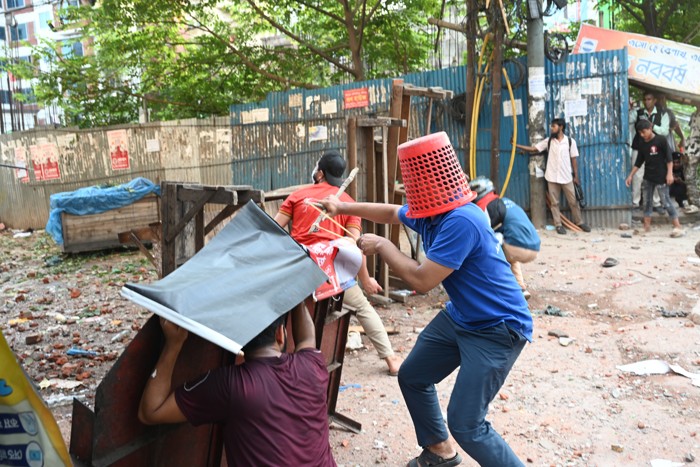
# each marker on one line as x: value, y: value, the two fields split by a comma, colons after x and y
x: 44, y: 19
x: 74, y: 2
x: 15, y: 4
x: 2, y: 33
x: 74, y: 49
x: 19, y: 33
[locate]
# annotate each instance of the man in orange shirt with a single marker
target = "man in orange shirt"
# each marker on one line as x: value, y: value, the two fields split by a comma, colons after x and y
x: 327, y: 177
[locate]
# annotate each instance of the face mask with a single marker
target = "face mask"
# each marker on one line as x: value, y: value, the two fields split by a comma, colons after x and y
x: 313, y: 174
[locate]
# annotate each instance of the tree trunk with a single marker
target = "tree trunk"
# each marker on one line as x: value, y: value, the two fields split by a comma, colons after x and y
x: 354, y: 43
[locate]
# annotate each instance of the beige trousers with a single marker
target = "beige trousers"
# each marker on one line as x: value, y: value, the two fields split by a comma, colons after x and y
x: 370, y: 321
x: 516, y: 255
x: 555, y: 190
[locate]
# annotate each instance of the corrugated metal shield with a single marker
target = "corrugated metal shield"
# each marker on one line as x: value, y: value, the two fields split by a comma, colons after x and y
x: 251, y: 273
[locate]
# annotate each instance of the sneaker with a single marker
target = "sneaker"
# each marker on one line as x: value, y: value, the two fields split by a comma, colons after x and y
x: 676, y: 233
x: 691, y: 209
x: 584, y: 227
x: 561, y: 230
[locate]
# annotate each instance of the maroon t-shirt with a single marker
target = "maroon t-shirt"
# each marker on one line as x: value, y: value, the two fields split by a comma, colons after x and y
x: 273, y: 409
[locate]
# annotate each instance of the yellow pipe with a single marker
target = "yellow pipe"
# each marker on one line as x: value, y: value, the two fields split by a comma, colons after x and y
x: 475, y: 108
x: 475, y: 120
x: 515, y: 133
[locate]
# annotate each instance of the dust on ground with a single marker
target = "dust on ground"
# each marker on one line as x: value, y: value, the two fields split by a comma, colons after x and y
x: 561, y: 405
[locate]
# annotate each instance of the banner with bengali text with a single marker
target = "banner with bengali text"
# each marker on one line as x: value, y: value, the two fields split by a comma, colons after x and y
x: 653, y: 62
x: 118, y: 141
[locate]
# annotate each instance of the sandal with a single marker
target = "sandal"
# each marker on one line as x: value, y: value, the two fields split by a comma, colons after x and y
x: 428, y: 458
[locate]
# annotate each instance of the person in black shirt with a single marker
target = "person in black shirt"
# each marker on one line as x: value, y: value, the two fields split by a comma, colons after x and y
x: 655, y: 155
x: 679, y: 189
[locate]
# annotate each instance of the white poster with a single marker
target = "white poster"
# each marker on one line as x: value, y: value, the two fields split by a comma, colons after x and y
x: 592, y: 86
x: 508, y: 108
x: 318, y: 133
x: 575, y: 108
x: 152, y: 145
x: 329, y: 107
x: 536, y: 82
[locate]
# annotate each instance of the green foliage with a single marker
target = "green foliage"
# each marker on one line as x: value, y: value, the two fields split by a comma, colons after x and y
x: 190, y: 59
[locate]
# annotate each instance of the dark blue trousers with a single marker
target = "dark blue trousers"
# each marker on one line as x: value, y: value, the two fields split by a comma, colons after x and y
x: 485, y: 357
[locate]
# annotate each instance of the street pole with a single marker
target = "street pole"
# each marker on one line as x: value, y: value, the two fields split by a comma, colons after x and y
x: 496, y: 77
x: 536, y: 106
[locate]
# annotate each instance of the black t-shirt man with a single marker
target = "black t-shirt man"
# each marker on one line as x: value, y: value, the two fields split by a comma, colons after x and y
x: 655, y: 156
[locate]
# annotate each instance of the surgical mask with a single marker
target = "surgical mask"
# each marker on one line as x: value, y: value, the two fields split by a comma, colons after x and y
x: 313, y: 174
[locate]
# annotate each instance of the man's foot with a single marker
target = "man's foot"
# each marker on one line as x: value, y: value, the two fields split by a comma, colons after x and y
x: 584, y: 227
x: 394, y: 363
x: 428, y: 458
x: 676, y: 232
x: 691, y: 209
x: 561, y: 230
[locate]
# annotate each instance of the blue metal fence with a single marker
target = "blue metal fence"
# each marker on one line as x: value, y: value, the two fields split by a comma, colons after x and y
x: 591, y: 92
x: 277, y: 141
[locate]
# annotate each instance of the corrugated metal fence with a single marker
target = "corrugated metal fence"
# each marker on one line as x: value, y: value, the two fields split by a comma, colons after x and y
x: 275, y: 143
x: 591, y: 91
x: 197, y: 151
x: 281, y: 138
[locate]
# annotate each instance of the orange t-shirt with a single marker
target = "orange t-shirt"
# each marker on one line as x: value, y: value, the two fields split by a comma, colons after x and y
x: 303, y: 216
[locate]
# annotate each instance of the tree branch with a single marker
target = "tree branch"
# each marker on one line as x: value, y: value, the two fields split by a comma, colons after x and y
x: 367, y: 17
x: 669, y: 11
x: 321, y: 10
x: 298, y: 39
x: 252, y: 66
x: 626, y: 6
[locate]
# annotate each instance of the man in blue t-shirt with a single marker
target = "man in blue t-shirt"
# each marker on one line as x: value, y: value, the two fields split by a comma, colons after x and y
x: 484, y: 326
x: 520, y: 240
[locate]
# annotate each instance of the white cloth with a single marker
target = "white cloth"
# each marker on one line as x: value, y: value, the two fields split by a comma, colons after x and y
x: 559, y: 159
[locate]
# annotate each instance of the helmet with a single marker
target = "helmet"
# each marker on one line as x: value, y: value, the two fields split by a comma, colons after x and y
x: 482, y: 186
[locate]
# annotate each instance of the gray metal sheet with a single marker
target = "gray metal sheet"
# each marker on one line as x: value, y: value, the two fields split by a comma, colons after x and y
x: 248, y: 275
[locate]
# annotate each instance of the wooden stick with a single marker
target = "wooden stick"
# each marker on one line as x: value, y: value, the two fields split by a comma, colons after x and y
x: 341, y: 190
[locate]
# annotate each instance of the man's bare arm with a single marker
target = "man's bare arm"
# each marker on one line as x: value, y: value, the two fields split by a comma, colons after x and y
x: 302, y: 328
x: 158, y: 401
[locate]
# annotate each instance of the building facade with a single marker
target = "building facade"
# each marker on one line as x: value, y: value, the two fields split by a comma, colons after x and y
x: 24, y: 24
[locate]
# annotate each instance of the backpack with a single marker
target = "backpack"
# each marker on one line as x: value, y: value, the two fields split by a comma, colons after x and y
x: 578, y: 190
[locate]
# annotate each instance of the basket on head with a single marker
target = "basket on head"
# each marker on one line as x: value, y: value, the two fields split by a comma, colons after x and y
x: 433, y: 179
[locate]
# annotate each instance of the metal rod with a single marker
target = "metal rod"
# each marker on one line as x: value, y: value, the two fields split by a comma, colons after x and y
x: 341, y: 190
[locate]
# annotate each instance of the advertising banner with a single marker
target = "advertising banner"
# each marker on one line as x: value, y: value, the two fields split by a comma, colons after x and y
x: 653, y: 62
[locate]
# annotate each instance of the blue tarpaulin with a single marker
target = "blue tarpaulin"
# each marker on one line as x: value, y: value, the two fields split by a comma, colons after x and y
x: 94, y: 200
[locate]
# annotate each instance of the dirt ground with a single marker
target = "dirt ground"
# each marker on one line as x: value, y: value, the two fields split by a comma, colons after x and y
x: 565, y: 405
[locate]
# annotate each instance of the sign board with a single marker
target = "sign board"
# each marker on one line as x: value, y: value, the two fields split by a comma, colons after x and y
x: 118, y: 141
x: 355, y: 98
x: 653, y: 62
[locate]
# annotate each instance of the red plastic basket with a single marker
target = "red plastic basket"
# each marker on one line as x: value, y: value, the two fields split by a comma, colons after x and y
x: 433, y: 179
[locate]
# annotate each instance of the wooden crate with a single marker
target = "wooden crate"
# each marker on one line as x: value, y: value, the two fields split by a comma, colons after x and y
x: 100, y: 231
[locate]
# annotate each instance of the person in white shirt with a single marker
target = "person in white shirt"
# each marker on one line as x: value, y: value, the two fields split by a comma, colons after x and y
x: 561, y: 172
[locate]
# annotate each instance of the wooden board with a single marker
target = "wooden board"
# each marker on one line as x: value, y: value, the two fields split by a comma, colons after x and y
x: 100, y: 231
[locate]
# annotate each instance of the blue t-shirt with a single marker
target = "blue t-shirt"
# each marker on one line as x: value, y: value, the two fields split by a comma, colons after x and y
x: 482, y: 289
x: 517, y: 229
